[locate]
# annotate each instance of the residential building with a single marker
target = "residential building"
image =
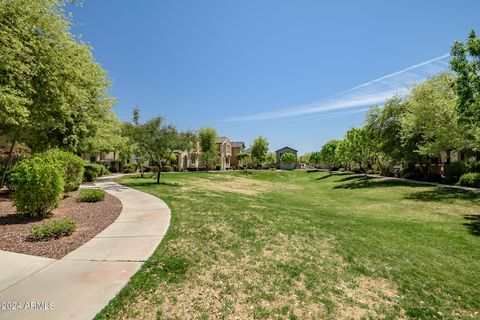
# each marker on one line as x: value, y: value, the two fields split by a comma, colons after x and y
x: 224, y: 152
x: 237, y: 147
x: 280, y: 153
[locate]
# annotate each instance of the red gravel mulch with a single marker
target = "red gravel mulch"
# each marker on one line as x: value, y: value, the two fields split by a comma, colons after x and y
x: 91, y: 218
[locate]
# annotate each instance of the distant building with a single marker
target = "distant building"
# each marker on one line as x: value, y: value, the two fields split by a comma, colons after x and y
x: 237, y: 147
x: 280, y: 153
x: 224, y: 152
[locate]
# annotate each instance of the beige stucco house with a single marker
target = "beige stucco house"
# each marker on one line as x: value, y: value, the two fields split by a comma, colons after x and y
x: 224, y: 152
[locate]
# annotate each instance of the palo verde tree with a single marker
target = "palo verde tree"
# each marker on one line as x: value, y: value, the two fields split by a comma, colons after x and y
x: 207, y: 139
x: 259, y: 150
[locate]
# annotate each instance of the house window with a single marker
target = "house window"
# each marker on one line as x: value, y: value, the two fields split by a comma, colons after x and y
x: 93, y: 159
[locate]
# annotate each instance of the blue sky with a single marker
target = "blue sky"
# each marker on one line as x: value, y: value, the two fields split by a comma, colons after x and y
x: 297, y: 72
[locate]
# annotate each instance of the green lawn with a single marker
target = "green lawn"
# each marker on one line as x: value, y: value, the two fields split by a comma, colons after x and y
x: 302, y: 245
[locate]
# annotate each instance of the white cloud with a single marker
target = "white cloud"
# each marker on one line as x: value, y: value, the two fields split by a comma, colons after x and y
x: 370, y: 93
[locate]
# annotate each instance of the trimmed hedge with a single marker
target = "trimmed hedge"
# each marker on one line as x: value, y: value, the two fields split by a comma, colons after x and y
x: 72, y: 166
x: 39, y: 186
x: 91, y: 195
x: 470, y: 180
x: 53, y: 229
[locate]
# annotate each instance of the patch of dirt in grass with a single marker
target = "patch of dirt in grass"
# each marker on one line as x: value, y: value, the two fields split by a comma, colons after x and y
x: 241, y: 185
x: 366, y: 298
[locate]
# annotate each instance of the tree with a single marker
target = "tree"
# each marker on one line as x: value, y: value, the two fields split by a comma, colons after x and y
x: 327, y: 154
x: 52, y: 92
x: 288, y: 158
x: 430, y: 118
x: 315, y: 158
x: 305, y: 158
x: 243, y: 157
x: 270, y: 159
x: 359, y: 148
x: 159, y: 140
x: 259, y: 149
x: 465, y: 63
x: 207, y: 138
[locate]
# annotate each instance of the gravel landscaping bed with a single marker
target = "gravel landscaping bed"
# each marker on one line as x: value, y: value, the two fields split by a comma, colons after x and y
x: 91, y: 218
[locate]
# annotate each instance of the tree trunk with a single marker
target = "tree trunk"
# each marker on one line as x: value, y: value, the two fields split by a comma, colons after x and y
x: 141, y: 171
x: 7, y: 164
x: 159, y: 172
x: 449, y: 155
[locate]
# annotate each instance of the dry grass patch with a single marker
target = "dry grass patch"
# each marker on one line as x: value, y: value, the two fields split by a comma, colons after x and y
x: 241, y: 185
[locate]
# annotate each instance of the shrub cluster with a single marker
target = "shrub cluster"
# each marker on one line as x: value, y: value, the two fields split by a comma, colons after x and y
x: 39, y: 185
x: 71, y: 165
x: 53, y: 229
x: 471, y: 179
x: 93, y: 171
x: 218, y: 167
x: 91, y: 195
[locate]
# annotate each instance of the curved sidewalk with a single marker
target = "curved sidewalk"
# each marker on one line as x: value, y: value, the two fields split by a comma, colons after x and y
x: 80, y: 284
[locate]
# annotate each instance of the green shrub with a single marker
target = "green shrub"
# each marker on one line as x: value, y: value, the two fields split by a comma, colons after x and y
x: 90, y: 174
x: 470, y: 180
x: 71, y: 165
x: 472, y: 165
x: 167, y: 169
x: 454, y: 171
x: 174, y: 167
x: 91, y: 195
x: 218, y: 167
x: 129, y: 168
x: 112, y: 169
x: 38, y: 184
x: 53, y: 229
x: 100, y: 169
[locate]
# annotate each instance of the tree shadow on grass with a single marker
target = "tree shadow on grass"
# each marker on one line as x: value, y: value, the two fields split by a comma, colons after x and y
x: 444, y: 194
x: 473, y: 223
x: 325, y: 177
x: 359, y: 182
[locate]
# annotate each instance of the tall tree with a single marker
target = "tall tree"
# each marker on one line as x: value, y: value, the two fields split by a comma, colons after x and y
x: 360, y: 148
x: 328, y: 154
x: 465, y: 63
x: 259, y: 149
x: 207, y: 139
x: 430, y: 118
x: 52, y: 92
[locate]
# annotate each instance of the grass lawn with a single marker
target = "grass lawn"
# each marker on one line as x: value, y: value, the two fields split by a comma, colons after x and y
x: 299, y: 245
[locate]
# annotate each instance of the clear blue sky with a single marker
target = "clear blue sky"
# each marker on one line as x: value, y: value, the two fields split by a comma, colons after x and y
x: 251, y: 67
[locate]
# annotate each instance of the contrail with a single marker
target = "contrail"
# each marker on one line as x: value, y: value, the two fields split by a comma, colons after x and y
x: 369, y: 93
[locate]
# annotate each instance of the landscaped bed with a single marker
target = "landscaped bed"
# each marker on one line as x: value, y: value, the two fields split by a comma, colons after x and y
x: 90, y: 218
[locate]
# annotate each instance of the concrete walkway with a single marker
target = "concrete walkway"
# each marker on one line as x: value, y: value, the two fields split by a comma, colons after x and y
x: 79, y: 285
